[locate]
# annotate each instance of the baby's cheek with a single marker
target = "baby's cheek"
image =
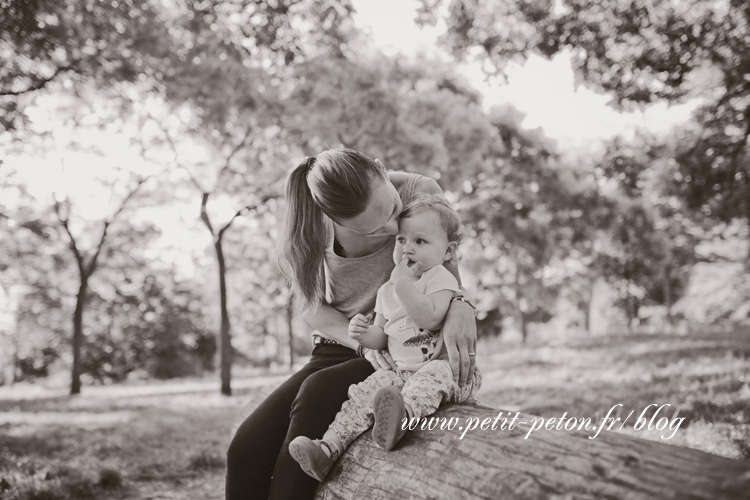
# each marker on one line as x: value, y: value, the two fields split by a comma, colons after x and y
x: 397, y: 254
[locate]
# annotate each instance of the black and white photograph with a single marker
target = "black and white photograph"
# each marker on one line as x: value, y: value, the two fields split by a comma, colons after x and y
x: 374, y: 250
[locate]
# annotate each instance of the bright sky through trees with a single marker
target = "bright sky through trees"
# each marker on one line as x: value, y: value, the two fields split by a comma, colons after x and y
x: 544, y: 90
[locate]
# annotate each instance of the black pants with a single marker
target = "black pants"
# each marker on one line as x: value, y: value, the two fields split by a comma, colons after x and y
x: 259, y: 465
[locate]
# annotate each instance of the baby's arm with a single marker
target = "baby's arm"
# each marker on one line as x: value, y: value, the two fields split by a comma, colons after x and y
x: 371, y: 336
x: 427, y: 311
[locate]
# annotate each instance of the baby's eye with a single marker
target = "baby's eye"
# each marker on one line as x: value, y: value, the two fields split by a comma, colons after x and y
x: 400, y: 239
x: 420, y: 241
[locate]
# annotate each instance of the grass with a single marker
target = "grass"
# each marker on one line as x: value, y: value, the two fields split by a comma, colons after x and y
x: 155, y: 441
x: 162, y: 441
x: 704, y: 378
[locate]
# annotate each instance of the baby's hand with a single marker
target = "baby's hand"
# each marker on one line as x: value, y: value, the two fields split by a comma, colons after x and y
x: 403, y: 269
x: 358, y: 326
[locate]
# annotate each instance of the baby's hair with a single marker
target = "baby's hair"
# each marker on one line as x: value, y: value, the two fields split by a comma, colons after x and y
x: 449, y: 218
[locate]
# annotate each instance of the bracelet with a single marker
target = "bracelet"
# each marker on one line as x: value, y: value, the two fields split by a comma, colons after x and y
x: 361, y: 351
x: 463, y: 298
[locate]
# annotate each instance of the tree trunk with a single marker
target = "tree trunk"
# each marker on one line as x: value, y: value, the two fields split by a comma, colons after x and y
x: 550, y: 464
x: 524, y: 326
x: 519, y: 310
x: 587, y: 310
x: 9, y: 374
x: 668, y: 291
x: 630, y: 307
x: 75, y: 382
x: 225, y: 340
x: 14, y: 361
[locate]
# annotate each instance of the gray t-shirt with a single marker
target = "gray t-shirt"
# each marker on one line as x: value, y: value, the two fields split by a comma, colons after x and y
x: 352, y: 283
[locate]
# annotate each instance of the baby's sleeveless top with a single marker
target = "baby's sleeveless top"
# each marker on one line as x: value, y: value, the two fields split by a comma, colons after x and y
x: 352, y: 283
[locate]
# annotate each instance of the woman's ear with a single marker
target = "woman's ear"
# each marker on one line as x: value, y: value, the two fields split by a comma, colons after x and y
x: 450, y: 252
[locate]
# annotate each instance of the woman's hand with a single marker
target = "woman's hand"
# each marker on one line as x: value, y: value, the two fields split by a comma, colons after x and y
x: 460, y: 337
x: 380, y: 360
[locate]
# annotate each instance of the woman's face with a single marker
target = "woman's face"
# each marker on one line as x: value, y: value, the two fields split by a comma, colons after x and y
x: 380, y: 217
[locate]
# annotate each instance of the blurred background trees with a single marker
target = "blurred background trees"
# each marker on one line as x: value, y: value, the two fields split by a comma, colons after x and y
x: 204, y: 106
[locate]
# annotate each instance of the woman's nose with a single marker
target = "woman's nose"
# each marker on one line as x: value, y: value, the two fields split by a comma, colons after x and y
x: 391, y: 227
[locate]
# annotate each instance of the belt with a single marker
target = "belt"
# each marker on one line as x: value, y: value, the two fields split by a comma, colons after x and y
x: 319, y: 339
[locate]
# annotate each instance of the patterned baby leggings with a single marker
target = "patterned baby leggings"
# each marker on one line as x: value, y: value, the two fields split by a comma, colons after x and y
x: 423, y: 390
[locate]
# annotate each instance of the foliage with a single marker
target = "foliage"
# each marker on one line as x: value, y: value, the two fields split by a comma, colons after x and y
x: 531, y: 216
x: 639, y: 52
x: 650, y: 248
x: 216, y: 100
x: 150, y: 325
x: 33, y: 276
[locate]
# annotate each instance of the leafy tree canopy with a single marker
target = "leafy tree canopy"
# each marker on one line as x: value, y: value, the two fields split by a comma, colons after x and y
x: 640, y: 52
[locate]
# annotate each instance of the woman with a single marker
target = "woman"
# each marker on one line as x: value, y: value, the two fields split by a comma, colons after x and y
x: 336, y: 248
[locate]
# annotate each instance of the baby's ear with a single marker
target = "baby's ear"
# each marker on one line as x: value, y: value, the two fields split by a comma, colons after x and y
x: 450, y: 252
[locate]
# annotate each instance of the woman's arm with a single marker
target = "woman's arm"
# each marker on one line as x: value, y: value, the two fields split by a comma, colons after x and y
x: 460, y: 337
x: 332, y: 323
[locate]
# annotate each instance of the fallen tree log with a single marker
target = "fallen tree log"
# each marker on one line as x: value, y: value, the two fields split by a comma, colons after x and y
x: 549, y: 464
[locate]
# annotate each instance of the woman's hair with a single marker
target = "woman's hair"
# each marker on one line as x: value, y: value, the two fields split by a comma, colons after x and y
x: 336, y: 184
x: 437, y: 203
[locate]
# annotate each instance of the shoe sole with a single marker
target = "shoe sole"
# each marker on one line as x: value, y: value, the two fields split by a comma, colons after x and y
x: 299, y: 455
x: 387, y: 408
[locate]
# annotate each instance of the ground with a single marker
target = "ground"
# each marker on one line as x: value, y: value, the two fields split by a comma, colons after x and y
x: 166, y: 440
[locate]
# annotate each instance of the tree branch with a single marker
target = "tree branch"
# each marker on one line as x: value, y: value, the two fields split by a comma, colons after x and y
x: 244, y: 211
x: 234, y: 152
x: 39, y: 84
x: 73, y: 246
x: 173, y: 147
x: 107, y: 222
x: 204, y: 213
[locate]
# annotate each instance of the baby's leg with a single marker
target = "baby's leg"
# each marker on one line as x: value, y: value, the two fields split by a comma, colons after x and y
x: 356, y: 415
x: 432, y: 385
x: 428, y: 388
x: 422, y: 394
x: 463, y: 394
x: 318, y: 457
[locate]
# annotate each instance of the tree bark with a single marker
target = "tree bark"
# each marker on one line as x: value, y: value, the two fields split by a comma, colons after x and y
x: 668, y: 291
x: 501, y: 464
x: 588, y: 314
x: 75, y: 379
x: 225, y: 339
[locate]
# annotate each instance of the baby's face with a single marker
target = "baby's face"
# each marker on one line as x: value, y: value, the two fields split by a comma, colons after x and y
x: 421, y: 238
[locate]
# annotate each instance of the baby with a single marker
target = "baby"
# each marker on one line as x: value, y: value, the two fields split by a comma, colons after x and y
x: 409, y: 312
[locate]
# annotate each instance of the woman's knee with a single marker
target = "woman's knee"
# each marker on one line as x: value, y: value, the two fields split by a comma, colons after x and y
x: 317, y: 390
x: 238, y: 450
x: 325, y: 390
x: 257, y: 440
